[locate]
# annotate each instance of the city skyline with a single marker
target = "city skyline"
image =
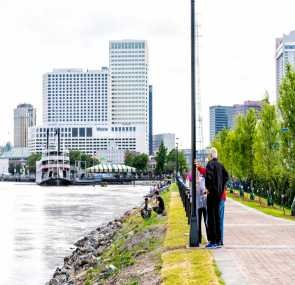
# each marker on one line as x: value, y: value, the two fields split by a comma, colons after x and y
x: 55, y: 34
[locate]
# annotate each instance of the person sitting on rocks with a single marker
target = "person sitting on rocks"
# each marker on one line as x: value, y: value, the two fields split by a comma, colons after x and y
x: 160, y: 208
x: 146, y: 211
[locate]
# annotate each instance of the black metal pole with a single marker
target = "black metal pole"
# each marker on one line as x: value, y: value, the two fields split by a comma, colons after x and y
x: 176, y: 159
x: 194, y: 235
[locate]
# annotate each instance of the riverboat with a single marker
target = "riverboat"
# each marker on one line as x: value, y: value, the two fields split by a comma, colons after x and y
x: 54, y: 167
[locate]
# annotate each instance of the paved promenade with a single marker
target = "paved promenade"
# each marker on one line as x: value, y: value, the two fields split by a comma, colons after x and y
x: 259, y: 249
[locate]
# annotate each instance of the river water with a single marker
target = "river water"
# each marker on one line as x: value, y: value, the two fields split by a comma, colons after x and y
x: 40, y: 224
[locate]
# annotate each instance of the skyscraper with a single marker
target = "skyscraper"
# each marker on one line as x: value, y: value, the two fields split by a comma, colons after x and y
x: 24, y: 117
x: 285, y: 54
x: 242, y: 109
x: 150, y: 120
x: 129, y: 84
x: 74, y: 96
x: 220, y: 118
x: 167, y: 139
x: 98, y: 111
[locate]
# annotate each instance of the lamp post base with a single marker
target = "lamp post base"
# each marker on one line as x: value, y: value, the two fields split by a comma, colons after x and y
x: 194, y: 232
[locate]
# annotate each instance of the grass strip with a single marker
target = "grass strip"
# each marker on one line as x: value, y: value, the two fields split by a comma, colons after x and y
x: 260, y: 204
x: 182, y: 265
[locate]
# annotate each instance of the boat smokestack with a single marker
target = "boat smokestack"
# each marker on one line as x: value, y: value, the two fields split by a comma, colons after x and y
x: 47, y: 138
x: 58, y: 141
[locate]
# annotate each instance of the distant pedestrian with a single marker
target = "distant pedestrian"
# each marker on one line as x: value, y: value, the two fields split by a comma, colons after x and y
x: 215, y: 180
x: 160, y: 207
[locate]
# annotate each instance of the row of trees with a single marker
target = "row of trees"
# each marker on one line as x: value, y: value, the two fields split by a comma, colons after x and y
x: 260, y: 150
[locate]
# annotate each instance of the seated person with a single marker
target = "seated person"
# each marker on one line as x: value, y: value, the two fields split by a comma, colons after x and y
x: 146, y: 211
x: 160, y: 208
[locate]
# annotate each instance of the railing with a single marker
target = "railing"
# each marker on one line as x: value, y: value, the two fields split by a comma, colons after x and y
x: 185, y: 195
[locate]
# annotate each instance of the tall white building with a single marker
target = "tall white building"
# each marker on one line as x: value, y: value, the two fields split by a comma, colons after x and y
x: 98, y: 111
x: 129, y: 84
x: 24, y: 117
x: 285, y: 54
x: 72, y: 96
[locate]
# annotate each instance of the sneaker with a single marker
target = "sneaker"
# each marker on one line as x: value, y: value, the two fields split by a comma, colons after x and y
x: 211, y: 245
x: 219, y: 245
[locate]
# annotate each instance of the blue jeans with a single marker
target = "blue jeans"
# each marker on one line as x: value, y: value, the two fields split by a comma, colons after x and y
x: 221, y: 215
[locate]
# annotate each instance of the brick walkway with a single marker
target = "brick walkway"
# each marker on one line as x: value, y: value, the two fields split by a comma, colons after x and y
x: 259, y: 249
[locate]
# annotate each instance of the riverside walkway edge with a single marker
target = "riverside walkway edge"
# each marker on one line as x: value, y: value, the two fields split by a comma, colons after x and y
x: 259, y: 249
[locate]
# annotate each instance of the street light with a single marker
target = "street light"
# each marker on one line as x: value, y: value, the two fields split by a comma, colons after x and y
x: 194, y: 229
x: 176, y: 157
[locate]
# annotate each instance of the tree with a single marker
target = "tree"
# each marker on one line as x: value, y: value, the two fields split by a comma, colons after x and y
x: 161, y: 157
x: 86, y: 160
x: 245, y: 132
x: 267, y: 153
x: 7, y: 147
x: 139, y: 161
x: 171, y: 162
x: 287, y: 108
x: 31, y: 162
x: 129, y: 158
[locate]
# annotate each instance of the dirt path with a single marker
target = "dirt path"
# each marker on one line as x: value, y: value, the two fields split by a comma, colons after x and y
x: 259, y: 249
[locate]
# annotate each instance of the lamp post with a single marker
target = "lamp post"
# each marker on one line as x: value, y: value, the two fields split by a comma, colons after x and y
x: 177, y: 166
x: 194, y: 240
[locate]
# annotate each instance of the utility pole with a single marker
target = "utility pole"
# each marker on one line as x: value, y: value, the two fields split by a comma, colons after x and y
x: 194, y: 235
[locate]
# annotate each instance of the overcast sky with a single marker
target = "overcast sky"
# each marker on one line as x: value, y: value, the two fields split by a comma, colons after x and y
x: 237, y: 50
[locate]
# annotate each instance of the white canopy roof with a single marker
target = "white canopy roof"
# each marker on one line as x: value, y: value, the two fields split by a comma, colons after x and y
x: 111, y: 168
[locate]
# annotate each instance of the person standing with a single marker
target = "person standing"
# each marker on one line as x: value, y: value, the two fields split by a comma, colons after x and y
x: 215, y: 180
x: 202, y: 206
x: 221, y: 214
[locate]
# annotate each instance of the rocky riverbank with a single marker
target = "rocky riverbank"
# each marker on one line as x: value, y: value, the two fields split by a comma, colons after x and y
x: 87, y: 254
x: 124, y: 251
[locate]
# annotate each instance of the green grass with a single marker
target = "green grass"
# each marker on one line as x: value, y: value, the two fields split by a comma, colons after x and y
x: 260, y: 204
x: 182, y: 265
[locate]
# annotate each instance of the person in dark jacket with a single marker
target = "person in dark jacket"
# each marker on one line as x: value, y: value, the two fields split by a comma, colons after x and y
x: 215, y: 180
x: 160, y: 208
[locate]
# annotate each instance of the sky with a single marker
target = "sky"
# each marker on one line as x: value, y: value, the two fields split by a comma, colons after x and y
x: 237, y: 49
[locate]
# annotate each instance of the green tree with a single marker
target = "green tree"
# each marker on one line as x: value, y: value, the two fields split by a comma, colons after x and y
x: 287, y: 108
x: 267, y: 142
x: 140, y: 162
x: 129, y: 158
x: 31, y: 162
x: 7, y: 147
x: 85, y: 159
x: 171, y: 162
x: 161, y: 157
x: 245, y: 132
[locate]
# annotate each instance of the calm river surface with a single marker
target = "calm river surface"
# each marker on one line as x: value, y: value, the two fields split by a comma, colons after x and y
x: 39, y: 225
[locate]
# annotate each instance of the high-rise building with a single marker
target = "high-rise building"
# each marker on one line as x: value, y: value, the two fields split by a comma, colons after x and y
x: 129, y: 84
x: 72, y: 96
x: 150, y: 120
x: 24, y: 117
x: 242, y: 109
x: 220, y: 118
x: 167, y: 139
x: 98, y: 111
x: 285, y: 54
